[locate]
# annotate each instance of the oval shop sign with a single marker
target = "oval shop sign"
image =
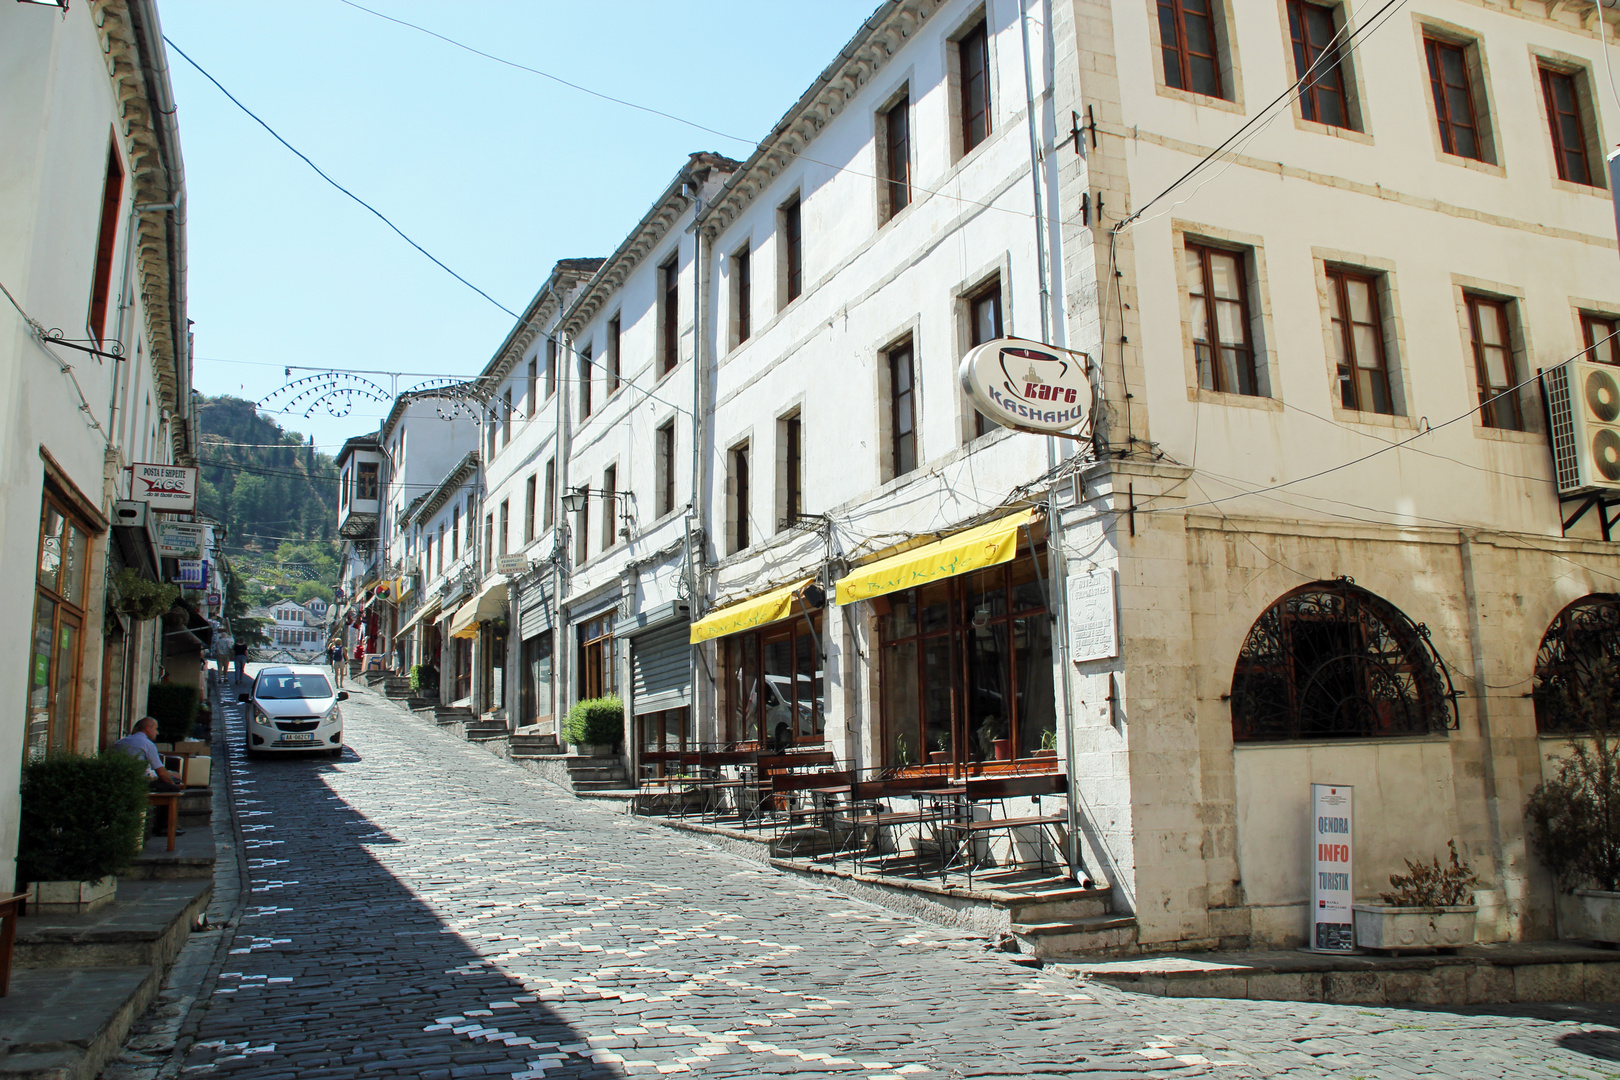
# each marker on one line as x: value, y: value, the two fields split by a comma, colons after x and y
x: 1025, y: 384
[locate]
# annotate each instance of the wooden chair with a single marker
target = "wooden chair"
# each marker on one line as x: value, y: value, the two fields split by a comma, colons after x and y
x: 787, y: 790
x: 869, y: 810
x: 998, y: 790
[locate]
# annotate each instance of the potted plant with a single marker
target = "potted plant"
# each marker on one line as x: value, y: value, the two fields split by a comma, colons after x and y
x: 83, y: 819
x: 1048, y: 744
x: 142, y: 598
x: 941, y: 753
x: 1575, y: 816
x: 902, y: 752
x: 1426, y: 910
x: 595, y: 725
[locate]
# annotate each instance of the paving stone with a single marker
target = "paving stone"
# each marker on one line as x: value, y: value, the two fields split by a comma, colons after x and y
x: 430, y: 911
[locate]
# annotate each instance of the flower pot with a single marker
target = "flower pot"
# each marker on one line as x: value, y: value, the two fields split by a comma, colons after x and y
x: 70, y: 897
x: 1044, y: 754
x: 1591, y: 915
x: 1003, y: 749
x: 1404, y: 929
x: 939, y: 757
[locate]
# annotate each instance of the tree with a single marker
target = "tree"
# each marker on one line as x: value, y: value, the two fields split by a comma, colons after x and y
x: 309, y: 590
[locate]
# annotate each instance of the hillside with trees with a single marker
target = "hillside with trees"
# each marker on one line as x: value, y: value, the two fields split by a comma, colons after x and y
x: 275, y: 494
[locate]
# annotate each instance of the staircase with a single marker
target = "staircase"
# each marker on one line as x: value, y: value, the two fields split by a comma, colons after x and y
x: 595, y: 773
x: 1068, y: 923
x: 534, y: 746
x: 397, y: 687
x: 453, y: 719
x: 489, y: 732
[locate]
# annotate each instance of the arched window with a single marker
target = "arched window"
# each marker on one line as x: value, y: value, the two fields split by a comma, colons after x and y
x: 1332, y: 661
x: 1577, y: 679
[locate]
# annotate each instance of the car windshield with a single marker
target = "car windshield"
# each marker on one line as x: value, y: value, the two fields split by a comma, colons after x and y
x: 275, y: 687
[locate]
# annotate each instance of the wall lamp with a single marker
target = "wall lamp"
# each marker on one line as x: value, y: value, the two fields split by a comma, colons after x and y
x: 574, y: 501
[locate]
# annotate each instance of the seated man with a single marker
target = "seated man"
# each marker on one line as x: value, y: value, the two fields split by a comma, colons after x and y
x: 138, y: 744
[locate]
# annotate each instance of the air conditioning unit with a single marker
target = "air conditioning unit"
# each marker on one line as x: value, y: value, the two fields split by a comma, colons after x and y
x: 1583, y: 403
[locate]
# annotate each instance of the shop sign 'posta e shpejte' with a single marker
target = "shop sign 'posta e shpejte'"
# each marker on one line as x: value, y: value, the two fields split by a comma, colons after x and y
x: 1028, y: 385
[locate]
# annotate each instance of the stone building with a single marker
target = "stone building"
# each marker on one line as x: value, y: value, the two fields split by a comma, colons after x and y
x: 95, y: 372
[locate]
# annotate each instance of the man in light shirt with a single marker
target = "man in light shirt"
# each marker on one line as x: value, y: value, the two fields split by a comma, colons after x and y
x: 138, y: 744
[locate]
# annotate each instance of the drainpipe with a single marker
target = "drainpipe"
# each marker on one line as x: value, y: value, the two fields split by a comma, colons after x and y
x: 700, y: 355
x: 561, y: 532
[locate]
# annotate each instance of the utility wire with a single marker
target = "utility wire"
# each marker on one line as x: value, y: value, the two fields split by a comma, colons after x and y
x: 322, y: 174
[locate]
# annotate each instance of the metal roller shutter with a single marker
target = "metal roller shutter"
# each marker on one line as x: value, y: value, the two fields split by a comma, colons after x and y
x: 534, y: 614
x: 659, y: 671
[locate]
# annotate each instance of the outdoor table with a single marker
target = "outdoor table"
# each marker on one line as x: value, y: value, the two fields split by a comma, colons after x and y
x: 172, y: 800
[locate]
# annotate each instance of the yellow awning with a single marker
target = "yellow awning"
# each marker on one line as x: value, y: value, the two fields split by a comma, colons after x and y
x: 990, y: 544
x: 490, y: 603
x: 747, y: 614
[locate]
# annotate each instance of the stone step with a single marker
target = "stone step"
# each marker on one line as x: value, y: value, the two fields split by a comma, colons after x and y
x: 530, y: 753
x: 606, y: 772
x: 1104, y: 935
x: 1059, y: 905
x: 598, y: 785
x: 147, y: 923
x: 68, y: 1023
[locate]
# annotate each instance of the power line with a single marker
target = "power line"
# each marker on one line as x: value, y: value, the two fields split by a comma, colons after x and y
x: 379, y: 215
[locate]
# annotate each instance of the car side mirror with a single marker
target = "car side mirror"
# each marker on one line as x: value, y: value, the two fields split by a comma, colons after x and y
x: 242, y: 699
x: 343, y: 695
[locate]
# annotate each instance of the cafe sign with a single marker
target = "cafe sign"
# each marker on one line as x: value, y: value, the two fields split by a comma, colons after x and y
x: 1027, y: 385
x: 171, y: 488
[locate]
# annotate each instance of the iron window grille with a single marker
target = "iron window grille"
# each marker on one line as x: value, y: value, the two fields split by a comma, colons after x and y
x: 1332, y: 661
x: 1576, y: 686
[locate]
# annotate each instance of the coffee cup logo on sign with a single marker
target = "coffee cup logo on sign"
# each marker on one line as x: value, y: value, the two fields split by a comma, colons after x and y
x: 1028, y: 385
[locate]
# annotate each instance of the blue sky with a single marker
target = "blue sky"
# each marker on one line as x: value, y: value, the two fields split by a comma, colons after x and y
x: 496, y: 171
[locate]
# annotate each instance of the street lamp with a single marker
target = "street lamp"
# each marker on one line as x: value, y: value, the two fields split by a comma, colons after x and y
x: 574, y: 501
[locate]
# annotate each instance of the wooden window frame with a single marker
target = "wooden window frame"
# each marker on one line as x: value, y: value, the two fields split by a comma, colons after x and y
x: 1176, y: 54
x: 597, y: 673
x: 1595, y: 327
x: 504, y: 523
x: 112, y: 198
x: 615, y: 333
x: 742, y: 273
x: 792, y: 469
x: 1493, y: 400
x: 506, y: 418
x: 1211, y: 339
x: 1573, y: 163
x: 531, y: 398
x: 68, y: 611
x: 585, y: 366
x: 986, y: 294
x: 901, y: 357
x: 740, y: 494
x: 548, y: 515
x: 367, y: 471
x: 897, y: 159
x: 1339, y: 279
x: 489, y: 539
x: 610, y: 507
x: 973, y: 64
x: 551, y: 367
x: 793, y: 248
x: 1330, y: 82
x: 669, y: 313
x: 666, y: 466
x: 958, y: 627
x: 1440, y: 92
x: 529, y: 492
x: 742, y: 722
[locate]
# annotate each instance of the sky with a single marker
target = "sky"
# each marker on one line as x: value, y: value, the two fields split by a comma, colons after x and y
x: 497, y: 172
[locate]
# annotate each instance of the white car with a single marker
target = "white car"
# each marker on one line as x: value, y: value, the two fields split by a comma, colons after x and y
x: 293, y: 707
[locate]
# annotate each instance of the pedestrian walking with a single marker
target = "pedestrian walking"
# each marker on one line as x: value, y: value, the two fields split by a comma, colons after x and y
x: 334, y: 656
x: 240, y: 653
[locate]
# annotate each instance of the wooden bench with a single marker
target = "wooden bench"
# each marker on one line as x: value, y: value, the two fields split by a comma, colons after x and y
x: 792, y: 813
x: 769, y: 766
x: 171, y: 799
x: 998, y: 790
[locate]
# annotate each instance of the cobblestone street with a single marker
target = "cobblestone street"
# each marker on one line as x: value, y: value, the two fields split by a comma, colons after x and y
x: 419, y: 909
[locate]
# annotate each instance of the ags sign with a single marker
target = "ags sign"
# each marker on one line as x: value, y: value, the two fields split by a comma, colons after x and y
x: 1028, y: 385
x: 1332, y: 890
x: 171, y: 488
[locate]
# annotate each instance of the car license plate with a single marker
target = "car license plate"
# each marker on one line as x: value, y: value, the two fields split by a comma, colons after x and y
x: 297, y: 738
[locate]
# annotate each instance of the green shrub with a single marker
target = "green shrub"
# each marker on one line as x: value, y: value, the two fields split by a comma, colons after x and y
x: 83, y: 817
x: 595, y: 722
x: 174, y: 707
